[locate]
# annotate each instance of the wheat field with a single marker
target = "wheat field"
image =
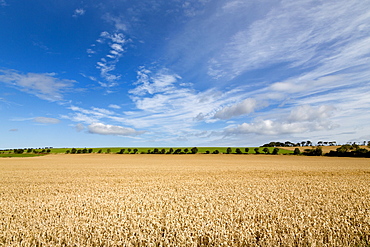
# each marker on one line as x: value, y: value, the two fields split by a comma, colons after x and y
x: 184, y: 200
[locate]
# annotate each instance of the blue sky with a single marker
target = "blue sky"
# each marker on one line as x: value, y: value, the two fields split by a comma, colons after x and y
x: 183, y: 73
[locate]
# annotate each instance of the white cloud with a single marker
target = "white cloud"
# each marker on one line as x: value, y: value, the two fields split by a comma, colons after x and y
x: 46, y: 120
x: 162, y: 81
x: 107, y: 64
x: 106, y: 129
x: 269, y: 127
x: 117, y: 47
x: 309, y: 113
x: 114, y: 106
x: 78, y: 12
x: 245, y: 107
x: 45, y: 86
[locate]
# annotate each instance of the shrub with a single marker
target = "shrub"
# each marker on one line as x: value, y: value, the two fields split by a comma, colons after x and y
x: 297, y: 151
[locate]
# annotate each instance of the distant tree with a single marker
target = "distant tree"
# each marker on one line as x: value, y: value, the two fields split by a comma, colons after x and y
x: 275, y: 151
x: 29, y: 150
x: 303, y: 143
x: 297, y: 151
x: 216, y: 152
x: 68, y: 151
x: 186, y: 150
x: 355, y: 146
x: 84, y: 150
x: 79, y: 151
x: 238, y: 151
x: 135, y: 150
x: 229, y: 150
x: 122, y: 151
x: 163, y: 151
x: 48, y: 151
x: 100, y: 151
x: 266, y: 150
x: 194, y: 150
x: 73, y: 151
x: 207, y: 151
x: 149, y: 151
x: 319, y: 143
x: 246, y: 150
x: 313, y: 151
x: 90, y: 150
x: 108, y: 151
x: 344, y: 148
x: 155, y: 151
x: 257, y: 150
x: 129, y: 150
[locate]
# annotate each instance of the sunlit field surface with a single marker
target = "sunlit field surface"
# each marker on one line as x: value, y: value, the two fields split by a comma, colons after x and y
x: 184, y: 200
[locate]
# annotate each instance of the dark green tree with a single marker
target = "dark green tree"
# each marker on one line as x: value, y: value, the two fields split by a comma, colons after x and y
x: 257, y: 150
x: 275, y: 151
x: 229, y: 150
x: 297, y: 151
x: 135, y: 150
x: 246, y: 150
x: 266, y: 150
x: 194, y: 150
x: 238, y: 151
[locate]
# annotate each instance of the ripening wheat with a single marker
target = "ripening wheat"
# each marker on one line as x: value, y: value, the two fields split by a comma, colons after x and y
x: 191, y: 200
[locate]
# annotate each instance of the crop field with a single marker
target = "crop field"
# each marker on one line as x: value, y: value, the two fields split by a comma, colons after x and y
x: 184, y: 200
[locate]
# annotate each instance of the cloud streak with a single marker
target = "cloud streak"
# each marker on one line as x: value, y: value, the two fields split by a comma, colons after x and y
x: 45, y: 86
x: 106, y: 129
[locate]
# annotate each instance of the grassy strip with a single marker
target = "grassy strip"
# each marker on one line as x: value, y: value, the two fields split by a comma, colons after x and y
x: 19, y: 155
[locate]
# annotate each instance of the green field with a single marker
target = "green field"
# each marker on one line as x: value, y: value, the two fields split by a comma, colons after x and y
x: 9, y: 155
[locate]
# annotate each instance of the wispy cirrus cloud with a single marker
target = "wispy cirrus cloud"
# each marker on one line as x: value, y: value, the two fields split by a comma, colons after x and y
x: 300, y: 33
x: 45, y: 86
